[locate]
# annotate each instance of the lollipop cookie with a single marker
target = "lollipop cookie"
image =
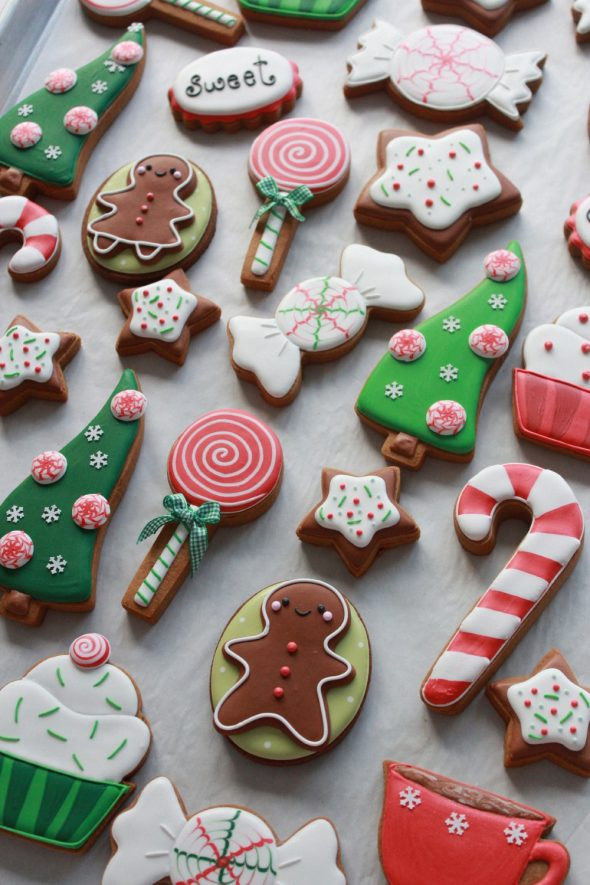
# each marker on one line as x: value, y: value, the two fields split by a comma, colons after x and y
x: 295, y: 163
x: 205, y: 19
x: 72, y: 728
x: 225, y: 468
x: 577, y: 231
x: 445, y: 73
x: 487, y: 16
x: 319, y: 320
x: 156, y: 841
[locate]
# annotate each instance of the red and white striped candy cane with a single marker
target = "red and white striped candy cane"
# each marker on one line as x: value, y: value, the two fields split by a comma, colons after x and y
x: 517, y: 596
x: 39, y: 231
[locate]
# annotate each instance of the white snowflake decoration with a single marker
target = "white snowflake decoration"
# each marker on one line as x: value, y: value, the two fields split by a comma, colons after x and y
x: 93, y: 433
x: 51, y: 514
x: 449, y: 372
x: 497, y: 302
x: 53, y: 152
x: 25, y: 110
x: 99, y: 459
x: 56, y: 564
x: 14, y: 513
x: 410, y: 798
x: 99, y: 86
x: 451, y: 324
x: 135, y: 26
x: 112, y: 66
x: 516, y: 834
x: 456, y: 824
x: 394, y: 390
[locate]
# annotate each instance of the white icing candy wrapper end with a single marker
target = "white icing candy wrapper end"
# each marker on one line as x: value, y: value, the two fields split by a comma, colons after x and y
x: 381, y: 278
x: 261, y: 348
x: 512, y: 90
x: 583, y: 8
x: 372, y: 63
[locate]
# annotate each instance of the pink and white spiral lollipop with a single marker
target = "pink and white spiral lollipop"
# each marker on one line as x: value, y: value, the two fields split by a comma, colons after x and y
x: 294, y: 152
x: 91, y: 650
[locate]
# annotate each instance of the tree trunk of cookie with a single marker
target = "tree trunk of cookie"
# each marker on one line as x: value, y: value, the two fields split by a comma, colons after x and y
x: 404, y: 450
x: 20, y: 607
x: 14, y: 183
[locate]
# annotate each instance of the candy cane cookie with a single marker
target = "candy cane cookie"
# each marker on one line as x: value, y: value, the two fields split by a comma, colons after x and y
x: 23, y: 220
x: 516, y: 598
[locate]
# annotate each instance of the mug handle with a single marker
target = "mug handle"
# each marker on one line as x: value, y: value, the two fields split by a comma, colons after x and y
x: 555, y: 854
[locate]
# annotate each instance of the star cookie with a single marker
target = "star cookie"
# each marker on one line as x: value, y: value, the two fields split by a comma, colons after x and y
x: 548, y: 714
x: 163, y: 316
x: 31, y: 364
x: 359, y: 516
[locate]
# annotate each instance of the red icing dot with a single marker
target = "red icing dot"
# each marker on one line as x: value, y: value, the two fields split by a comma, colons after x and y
x: 139, y: 309
x: 146, y: 292
x: 139, y: 220
x: 278, y: 692
x: 161, y: 321
x: 554, y: 711
x: 160, y: 304
x: 380, y: 505
x: 431, y: 183
x: 477, y: 164
x: 330, y: 515
x: 527, y: 703
x: 370, y: 515
x: 428, y: 203
x: 586, y: 376
x: 285, y: 672
x: 15, y: 335
x: 420, y: 152
x: 150, y: 196
x: 292, y: 647
x: 586, y: 348
x: 548, y: 345
x: 544, y: 731
x: 573, y: 729
x: 46, y: 340
x: 349, y: 513
x: 37, y: 370
x: 556, y: 687
x: 27, y: 364
x: 26, y: 349
x: 342, y: 485
x: 534, y: 690
x: 356, y: 500
x: 359, y: 532
x: 396, y: 185
x: 476, y: 187
x: 169, y: 288
x: 583, y: 318
x: 400, y: 165
x: 144, y: 325
x: 175, y: 318
x: 2, y: 365
x: 452, y: 154
x: 574, y: 704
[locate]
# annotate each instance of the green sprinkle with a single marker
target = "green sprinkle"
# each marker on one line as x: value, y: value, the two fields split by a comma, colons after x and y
x: 166, y: 330
x: 353, y: 521
x: 29, y: 341
x: 113, y: 704
x: 11, y: 374
x: 322, y: 513
x: 118, y: 749
x: 413, y: 171
x: 551, y: 697
x: 48, y: 712
x: 384, y: 189
x: 541, y: 718
x: 41, y: 355
x: 445, y: 201
x: 464, y: 146
x: 102, y: 679
x: 450, y: 174
x: 413, y: 148
x: 94, y: 729
x: 155, y: 298
x: 11, y: 740
x: 565, y: 718
x: 57, y: 736
x: 534, y: 737
x: 77, y: 761
x: 153, y: 315
x: 386, y: 515
x: 341, y: 501
x: 179, y: 302
x: 368, y: 491
x: 60, y: 677
x: 585, y: 699
x: 17, y: 708
x: 12, y: 329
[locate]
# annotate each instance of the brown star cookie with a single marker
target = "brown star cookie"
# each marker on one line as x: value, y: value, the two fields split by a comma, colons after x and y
x: 359, y: 516
x: 436, y: 188
x: 163, y: 316
x: 31, y: 364
x: 487, y: 20
x: 548, y: 714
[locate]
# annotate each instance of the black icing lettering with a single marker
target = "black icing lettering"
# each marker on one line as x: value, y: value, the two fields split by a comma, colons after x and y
x: 233, y: 81
x: 260, y: 63
x: 249, y: 78
x: 195, y: 88
x: 216, y: 85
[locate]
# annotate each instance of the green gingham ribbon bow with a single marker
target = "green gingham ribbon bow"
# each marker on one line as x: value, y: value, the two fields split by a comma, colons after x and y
x: 194, y: 519
x: 291, y: 200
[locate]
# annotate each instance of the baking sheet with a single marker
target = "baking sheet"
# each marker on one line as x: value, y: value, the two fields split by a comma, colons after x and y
x: 411, y: 599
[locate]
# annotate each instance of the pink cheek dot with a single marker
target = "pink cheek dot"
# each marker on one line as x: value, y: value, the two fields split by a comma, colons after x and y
x: 177, y: 175
x: 583, y: 317
x: 327, y: 616
x: 548, y: 346
x: 527, y: 703
x: 276, y: 606
x: 141, y: 170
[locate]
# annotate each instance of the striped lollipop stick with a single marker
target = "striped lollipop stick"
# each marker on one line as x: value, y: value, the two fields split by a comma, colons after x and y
x: 516, y: 598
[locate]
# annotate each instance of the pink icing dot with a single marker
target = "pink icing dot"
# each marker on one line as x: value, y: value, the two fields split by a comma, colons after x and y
x: 26, y: 135
x: 276, y: 605
x: 127, y: 53
x: 548, y: 346
x: 16, y: 549
x: 327, y: 616
x: 60, y: 80
x: 80, y: 120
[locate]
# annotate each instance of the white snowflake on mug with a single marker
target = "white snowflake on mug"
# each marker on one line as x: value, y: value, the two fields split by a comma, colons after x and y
x: 394, y: 390
x: 93, y: 433
x: 497, y: 302
x: 53, y: 152
x: 457, y: 824
x: 25, y: 110
x: 410, y: 798
x: 99, y: 86
x: 515, y: 833
x: 98, y: 459
x: 51, y: 514
x: 14, y: 513
x: 449, y: 372
x: 56, y: 564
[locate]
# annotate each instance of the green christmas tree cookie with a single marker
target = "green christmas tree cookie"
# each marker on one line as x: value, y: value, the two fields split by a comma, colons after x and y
x: 52, y: 525
x: 426, y: 392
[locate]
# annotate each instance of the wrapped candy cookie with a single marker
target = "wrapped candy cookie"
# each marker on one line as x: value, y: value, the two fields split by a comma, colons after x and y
x: 156, y: 841
x: 71, y: 732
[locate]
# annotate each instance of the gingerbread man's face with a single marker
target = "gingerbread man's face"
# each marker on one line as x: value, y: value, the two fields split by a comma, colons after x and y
x: 162, y: 170
x: 308, y: 609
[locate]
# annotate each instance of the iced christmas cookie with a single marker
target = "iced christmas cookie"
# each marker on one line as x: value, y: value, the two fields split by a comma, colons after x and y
x: 445, y: 73
x: 547, y: 715
x: 205, y: 19
x: 224, y: 469
x: 320, y: 320
x: 156, y: 841
x: 244, y: 87
x: 290, y: 672
x: 163, y: 317
x: 47, y: 137
x: 434, y: 829
x: 293, y: 164
x: 581, y: 14
x: 577, y: 231
x: 524, y: 587
x: 487, y: 16
x: 359, y: 516
x: 32, y: 362
x: 436, y: 188
x: 38, y: 233
x: 63, y: 507
x: 426, y: 392
x: 324, y: 15
x: 71, y: 731
x: 551, y: 394
x: 148, y: 218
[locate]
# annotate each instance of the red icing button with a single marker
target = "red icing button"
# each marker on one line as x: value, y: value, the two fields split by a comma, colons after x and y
x: 574, y: 704
x: 583, y: 317
x: 586, y: 348
x: 544, y: 731
x: 556, y: 687
x: 285, y: 672
x: 429, y: 203
x: 292, y: 647
x: 150, y: 196
x: 586, y: 376
x: 534, y: 690
x: 278, y: 692
x: 144, y: 208
x: 396, y: 185
x: 527, y: 703
x: 139, y: 220
x: 431, y: 183
x: 548, y: 345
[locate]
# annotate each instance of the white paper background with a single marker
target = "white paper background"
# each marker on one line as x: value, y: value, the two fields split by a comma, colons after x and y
x: 412, y: 598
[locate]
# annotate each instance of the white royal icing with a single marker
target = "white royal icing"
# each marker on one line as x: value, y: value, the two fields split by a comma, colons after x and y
x: 551, y: 709
x: 561, y: 350
x: 260, y: 347
x: 381, y: 278
x: 583, y: 8
x: 450, y: 177
x: 357, y: 507
x: 161, y: 310
x: 22, y: 352
x: 233, y: 81
x: 115, y: 8
x: 82, y: 722
x: 321, y: 313
x: 491, y: 4
x: 582, y: 216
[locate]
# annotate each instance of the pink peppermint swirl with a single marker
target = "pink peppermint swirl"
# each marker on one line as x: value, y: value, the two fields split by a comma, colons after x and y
x: 90, y: 650
x: 91, y: 511
x: 48, y: 467
x: 228, y: 456
x: 128, y: 405
x: 301, y: 151
x: 16, y: 549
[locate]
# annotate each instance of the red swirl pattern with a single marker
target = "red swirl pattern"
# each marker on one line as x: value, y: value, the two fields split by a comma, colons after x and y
x: 48, y: 467
x: 90, y: 650
x: 91, y: 511
x: 228, y: 456
x: 16, y: 549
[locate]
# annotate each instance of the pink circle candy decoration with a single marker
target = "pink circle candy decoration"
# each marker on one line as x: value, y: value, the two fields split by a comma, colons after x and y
x: 91, y: 650
x: 407, y: 345
x: 91, y: 511
x: 61, y: 80
x: 446, y: 417
x: 489, y: 341
x: 227, y: 456
x: 301, y: 151
x: 501, y: 265
x: 128, y: 405
x: 16, y: 549
x: 48, y: 467
x: 26, y: 135
x: 80, y: 120
x: 127, y: 53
